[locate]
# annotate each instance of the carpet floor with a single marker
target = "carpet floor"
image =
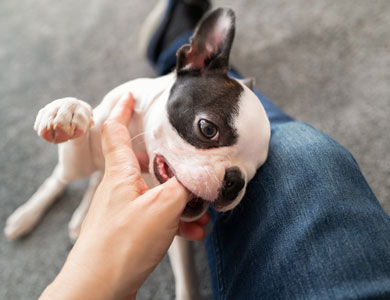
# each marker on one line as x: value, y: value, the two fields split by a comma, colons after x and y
x: 324, y: 62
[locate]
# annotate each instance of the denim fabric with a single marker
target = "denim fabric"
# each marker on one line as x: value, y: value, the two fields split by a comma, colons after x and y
x: 166, y: 61
x: 309, y: 226
x: 154, y: 40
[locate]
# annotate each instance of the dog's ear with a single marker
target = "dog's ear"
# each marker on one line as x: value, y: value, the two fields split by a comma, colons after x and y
x: 210, y: 44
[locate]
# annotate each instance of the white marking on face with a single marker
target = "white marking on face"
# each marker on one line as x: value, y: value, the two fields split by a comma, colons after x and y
x: 253, y: 131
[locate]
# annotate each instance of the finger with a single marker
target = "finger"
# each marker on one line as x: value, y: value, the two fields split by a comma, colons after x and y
x: 167, y: 199
x: 119, y: 157
x: 116, y: 141
x: 173, y: 189
x: 143, y: 160
x: 116, y: 125
x: 123, y: 110
x: 174, y: 195
x: 191, y: 231
x: 203, y: 220
x: 116, y: 146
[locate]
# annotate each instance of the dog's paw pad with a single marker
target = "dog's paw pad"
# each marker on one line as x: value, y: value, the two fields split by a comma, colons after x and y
x: 63, y: 119
x: 59, y: 135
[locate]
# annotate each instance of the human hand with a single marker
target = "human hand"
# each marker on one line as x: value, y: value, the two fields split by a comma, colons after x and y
x: 128, y: 228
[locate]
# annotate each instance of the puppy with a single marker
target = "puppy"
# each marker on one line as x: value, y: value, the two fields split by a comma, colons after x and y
x: 197, y: 123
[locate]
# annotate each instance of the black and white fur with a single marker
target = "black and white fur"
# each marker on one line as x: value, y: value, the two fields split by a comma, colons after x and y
x: 166, y: 124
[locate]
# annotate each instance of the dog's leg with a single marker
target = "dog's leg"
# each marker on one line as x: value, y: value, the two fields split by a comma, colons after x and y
x: 183, y: 267
x: 57, y: 122
x: 23, y: 220
x: 81, y: 211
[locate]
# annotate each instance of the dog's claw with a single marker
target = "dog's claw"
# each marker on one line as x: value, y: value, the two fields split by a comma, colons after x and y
x: 63, y: 119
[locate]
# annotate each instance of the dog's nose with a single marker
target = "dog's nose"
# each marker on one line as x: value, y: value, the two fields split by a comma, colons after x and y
x: 233, y: 182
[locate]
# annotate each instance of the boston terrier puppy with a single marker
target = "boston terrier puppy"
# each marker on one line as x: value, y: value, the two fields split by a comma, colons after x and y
x: 196, y: 123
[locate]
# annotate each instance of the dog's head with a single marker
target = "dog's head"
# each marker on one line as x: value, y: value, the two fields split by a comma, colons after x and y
x: 213, y: 133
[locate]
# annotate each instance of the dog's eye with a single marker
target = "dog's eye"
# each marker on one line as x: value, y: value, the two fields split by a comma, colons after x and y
x: 208, y: 129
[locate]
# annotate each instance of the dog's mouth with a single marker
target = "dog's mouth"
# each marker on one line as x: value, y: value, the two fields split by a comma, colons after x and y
x: 196, y: 207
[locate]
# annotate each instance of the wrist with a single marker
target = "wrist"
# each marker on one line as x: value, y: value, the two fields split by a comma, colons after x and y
x: 62, y: 289
x: 91, y: 274
x: 73, y: 282
x: 85, y: 275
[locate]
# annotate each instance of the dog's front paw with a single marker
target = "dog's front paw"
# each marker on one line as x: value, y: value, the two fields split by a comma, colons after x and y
x: 63, y: 119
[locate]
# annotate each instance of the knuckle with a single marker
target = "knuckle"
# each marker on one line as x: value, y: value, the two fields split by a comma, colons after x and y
x: 134, y: 175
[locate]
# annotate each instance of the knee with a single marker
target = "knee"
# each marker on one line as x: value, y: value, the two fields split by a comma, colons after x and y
x: 298, y: 148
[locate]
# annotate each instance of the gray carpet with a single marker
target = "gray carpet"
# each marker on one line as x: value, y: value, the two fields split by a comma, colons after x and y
x: 324, y: 62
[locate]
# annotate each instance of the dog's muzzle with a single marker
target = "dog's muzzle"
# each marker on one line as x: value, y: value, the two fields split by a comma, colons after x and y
x: 233, y: 183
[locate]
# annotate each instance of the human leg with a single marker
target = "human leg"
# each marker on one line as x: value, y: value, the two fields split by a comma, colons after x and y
x: 309, y: 227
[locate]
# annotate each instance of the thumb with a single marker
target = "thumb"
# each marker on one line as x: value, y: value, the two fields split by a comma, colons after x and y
x: 168, y: 199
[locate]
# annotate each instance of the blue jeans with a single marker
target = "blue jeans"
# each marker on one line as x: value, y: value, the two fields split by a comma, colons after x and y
x: 309, y: 226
